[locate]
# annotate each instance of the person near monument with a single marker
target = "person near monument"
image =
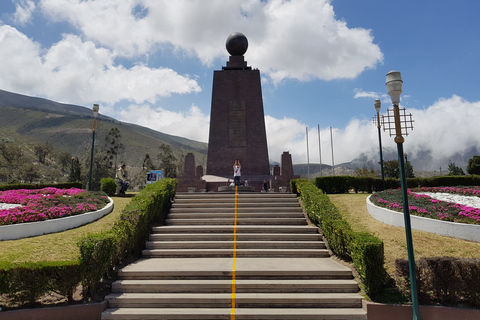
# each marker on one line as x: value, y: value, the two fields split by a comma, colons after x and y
x: 265, y: 185
x: 121, y: 179
x: 236, y: 172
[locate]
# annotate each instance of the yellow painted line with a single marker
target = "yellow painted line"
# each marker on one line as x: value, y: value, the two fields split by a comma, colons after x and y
x: 232, y: 312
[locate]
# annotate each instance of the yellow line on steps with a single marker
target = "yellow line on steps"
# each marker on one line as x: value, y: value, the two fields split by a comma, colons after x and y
x: 232, y: 312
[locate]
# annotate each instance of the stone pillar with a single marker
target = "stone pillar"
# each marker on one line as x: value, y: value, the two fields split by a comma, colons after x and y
x: 286, y: 169
x: 189, y: 166
x: 199, y: 172
x: 276, y: 170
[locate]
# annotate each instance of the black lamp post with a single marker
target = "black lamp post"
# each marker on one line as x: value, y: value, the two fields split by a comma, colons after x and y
x: 378, y: 105
x: 394, y: 86
x: 95, y: 113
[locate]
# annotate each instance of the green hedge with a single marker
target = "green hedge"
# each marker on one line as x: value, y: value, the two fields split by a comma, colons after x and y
x: 66, y: 185
x: 365, y: 250
x: 447, y: 281
x: 343, y: 184
x: 99, y: 252
x: 25, y: 283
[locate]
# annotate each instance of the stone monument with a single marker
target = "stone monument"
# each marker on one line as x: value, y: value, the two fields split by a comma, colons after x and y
x: 237, y: 122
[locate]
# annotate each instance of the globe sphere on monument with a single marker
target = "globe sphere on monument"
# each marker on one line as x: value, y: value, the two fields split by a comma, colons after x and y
x: 237, y: 44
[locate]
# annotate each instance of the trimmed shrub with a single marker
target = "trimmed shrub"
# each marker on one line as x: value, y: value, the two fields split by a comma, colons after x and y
x: 339, y: 235
x: 100, y: 252
x: 365, y: 250
x: 447, y: 281
x: 109, y: 186
x: 25, y: 283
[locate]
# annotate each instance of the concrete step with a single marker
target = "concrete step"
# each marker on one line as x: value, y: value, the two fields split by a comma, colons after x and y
x: 240, y: 313
x: 240, y: 221
x: 231, y: 203
x: 241, y: 286
x: 215, y: 215
x: 240, y: 229
x: 215, y: 195
x: 242, y: 300
x: 221, y: 209
x: 274, y: 253
x: 239, y: 244
x: 240, y: 237
x: 245, y: 268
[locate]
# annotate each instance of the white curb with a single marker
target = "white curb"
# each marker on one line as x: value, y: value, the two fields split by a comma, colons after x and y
x: 470, y: 232
x: 32, y: 229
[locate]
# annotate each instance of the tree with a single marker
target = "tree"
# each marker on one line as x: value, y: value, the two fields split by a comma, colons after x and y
x: 453, y: 170
x: 30, y: 173
x: 167, y: 161
x: 391, y: 169
x: 41, y: 151
x: 147, y: 163
x: 11, y: 153
x: 365, y: 172
x: 77, y: 171
x: 64, y: 158
x: 473, y: 166
x: 113, y: 147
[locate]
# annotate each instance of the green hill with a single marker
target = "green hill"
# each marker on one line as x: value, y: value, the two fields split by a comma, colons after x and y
x: 68, y: 128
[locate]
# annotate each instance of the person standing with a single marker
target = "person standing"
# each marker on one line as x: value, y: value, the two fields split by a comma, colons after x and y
x: 236, y: 172
x: 265, y: 185
x: 121, y: 179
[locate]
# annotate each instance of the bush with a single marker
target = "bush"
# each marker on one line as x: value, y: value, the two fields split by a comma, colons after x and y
x: 365, y: 250
x: 100, y: 252
x: 25, y: 283
x: 109, y: 186
x: 447, y: 281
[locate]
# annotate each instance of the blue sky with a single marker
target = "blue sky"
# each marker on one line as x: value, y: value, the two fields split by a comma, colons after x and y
x: 151, y: 62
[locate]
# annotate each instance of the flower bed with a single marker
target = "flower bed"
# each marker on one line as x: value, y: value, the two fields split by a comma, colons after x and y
x: 48, y: 203
x: 426, y: 206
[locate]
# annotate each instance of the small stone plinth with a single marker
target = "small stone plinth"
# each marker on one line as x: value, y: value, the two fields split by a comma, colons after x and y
x: 232, y: 189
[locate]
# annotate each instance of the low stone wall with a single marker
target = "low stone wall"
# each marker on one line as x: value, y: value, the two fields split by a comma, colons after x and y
x: 470, y: 232
x: 32, y: 229
x: 92, y: 311
x: 379, y: 311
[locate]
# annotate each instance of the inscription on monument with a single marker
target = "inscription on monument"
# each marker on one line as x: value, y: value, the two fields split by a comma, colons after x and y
x: 237, y: 123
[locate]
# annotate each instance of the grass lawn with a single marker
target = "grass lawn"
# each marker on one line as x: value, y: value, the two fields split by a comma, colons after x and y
x: 60, y: 246
x: 353, y: 208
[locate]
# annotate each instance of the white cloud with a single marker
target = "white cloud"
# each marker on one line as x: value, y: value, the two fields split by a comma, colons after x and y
x: 192, y: 124
x: 24, y: 11
x: 282, y: 44
x: 77, y: 71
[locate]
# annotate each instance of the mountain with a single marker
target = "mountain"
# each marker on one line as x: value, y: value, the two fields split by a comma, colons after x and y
x: 69, y: 128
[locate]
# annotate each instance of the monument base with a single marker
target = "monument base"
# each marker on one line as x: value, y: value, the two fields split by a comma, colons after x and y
x: 232, y: 189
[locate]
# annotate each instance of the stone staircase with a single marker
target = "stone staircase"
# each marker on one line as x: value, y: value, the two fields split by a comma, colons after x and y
x: 259, y: 256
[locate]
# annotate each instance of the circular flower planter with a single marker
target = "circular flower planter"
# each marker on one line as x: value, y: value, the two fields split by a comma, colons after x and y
x: 32, y: 229
x: 470, y: 232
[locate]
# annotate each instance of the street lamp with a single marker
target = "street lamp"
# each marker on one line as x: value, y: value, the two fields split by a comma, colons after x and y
x: 394, y: 86
x: 95, y: 113
x: 378, y: 105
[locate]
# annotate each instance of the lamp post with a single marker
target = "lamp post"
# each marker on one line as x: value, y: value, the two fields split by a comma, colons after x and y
x: 394, y: 86
x: 95, y: 113
x: 377, y: 107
